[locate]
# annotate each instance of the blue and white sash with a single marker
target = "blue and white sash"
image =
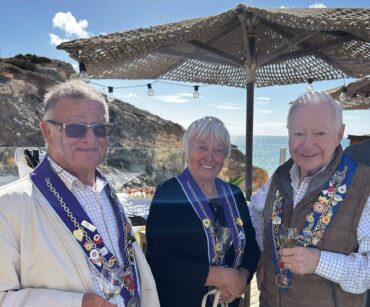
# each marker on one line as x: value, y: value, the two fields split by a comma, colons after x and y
x: 70, y: 211
x: 200, y: 205
x: 322, y: 213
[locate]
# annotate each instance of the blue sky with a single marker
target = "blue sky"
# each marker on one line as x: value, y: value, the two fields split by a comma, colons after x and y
x: 36, y: 26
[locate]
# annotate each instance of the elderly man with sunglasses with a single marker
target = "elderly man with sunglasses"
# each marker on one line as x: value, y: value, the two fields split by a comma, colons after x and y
x: 63, y: 224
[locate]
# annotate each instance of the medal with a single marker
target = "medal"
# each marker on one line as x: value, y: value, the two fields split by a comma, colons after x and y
x: 133, y: 302
x: 103, y: 251
x: 282, y: 281
x: 88, y: 225
x: 206, y: 222
x: 111, y: 261
x: 78, y: 234
x: 88, y: 245
x: 97, y: 239
x: 94, y: 255
x: 218, y: 246
x: 276, y: 220
x: 239, y: 221
x: 129, y: 281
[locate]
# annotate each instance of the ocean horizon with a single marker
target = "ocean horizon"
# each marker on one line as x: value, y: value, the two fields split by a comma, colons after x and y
x: 266, y: 149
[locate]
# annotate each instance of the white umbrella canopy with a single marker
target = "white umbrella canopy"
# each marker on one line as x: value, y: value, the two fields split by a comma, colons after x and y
x: 243, y: 47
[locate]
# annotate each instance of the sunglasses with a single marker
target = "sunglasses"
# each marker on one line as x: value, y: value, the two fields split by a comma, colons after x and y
x: 79, y: 130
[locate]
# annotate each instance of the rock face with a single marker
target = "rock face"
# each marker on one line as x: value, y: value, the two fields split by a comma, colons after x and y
x: 141, y: 142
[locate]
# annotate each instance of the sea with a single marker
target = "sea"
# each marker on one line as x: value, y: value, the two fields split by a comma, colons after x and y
x: 266, y: 149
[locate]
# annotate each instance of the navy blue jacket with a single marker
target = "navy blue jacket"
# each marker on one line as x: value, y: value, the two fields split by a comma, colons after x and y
x: 177, y: 246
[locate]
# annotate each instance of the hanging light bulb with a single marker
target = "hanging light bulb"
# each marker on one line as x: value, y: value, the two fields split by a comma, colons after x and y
x: 344, y: 96
x: 309, y: 86
x: 196, y: 92
x: 110, y: 96
x: 83, y: 74
x: 150, y: 90
x: 354, y: 97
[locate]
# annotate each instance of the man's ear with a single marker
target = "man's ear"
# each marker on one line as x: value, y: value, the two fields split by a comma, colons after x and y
x: 45, y: 129
x: 341, y: 132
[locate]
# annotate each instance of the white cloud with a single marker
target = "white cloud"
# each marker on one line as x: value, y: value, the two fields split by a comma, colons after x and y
x: 185, y: 95
x: 70, y: 27
x: 265, y: 111
x: 317, y: 6
x: 263, y: 100
x: 172, y: 99
x: 69, y: 24
x: 229, y: 107
x: 131, y: 95
x: 55, y: 40
x: 226, y: 106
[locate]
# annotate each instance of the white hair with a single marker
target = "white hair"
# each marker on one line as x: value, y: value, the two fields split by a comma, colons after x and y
x: 318, y: 98
x: 74, y: 88
x: 205, y: 127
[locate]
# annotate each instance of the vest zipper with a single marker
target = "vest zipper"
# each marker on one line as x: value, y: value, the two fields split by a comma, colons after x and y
x: 333, y: 294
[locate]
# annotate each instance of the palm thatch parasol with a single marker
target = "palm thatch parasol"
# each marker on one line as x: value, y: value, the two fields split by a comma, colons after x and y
x: 242, y: 47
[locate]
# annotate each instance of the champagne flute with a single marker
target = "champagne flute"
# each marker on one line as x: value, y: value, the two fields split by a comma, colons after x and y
x: 288, y: 237
x: 223, y: 242
x: 111, y: 281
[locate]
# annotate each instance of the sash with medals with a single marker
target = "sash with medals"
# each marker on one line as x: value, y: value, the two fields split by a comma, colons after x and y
x: 323, y: 211
x: 70, y: 211
x: 201, y: 207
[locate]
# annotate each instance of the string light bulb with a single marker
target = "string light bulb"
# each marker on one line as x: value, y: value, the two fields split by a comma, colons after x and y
x: 309, y: 86
x: 196, y: 92
x: 344, y: 96
x: 150, y: 90
x: 83, y: 73
x: 110, y: 96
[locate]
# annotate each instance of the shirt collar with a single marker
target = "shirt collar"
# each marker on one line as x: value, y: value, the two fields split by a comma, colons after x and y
x: 72, y: 182
x: 294, y: 174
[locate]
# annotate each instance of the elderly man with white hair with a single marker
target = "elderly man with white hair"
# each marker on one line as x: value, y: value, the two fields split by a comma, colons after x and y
x: 324, y: 195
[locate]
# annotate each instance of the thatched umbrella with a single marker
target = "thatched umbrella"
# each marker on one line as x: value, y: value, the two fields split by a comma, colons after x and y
x: 242, y: 47
x: 353, y: 96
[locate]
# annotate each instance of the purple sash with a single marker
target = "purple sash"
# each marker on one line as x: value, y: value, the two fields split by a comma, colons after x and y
x: 201, y: 207
x: 70, y: 211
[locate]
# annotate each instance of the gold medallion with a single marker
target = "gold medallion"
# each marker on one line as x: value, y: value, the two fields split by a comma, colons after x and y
x: 239, y: 221
x: 78, y: 234
x: 206, y: 222
x: 88, y: 245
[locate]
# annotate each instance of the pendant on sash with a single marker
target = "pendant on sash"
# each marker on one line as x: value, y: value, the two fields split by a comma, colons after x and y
x: 206, y: 222
x: 133, y: 302
x: 78, y: 234
x: 282, y: 281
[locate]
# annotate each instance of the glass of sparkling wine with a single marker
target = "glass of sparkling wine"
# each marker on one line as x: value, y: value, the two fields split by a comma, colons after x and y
x: 288, y: 237
x: 111, y: 281
x: 223, y: 242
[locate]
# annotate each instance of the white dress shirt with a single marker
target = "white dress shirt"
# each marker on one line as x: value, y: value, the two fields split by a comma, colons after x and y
x: 351, y: 272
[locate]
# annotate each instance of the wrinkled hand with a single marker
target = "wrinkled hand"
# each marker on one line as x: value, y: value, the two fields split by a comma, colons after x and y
x: 94, y: 300
x: 300, y: 260
x: 230, y: 281
x: 260, y: 272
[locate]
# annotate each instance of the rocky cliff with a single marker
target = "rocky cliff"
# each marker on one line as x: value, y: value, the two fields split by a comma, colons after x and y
x: 141, y: 143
